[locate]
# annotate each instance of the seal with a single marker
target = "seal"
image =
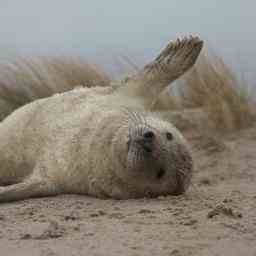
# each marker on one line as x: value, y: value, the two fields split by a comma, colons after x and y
x: 100, y: 142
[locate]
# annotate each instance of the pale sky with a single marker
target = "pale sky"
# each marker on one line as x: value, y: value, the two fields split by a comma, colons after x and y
x: 137, y: 28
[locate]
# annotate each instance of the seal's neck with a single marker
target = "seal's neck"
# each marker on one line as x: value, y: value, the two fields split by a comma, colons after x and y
x: 133, y: 94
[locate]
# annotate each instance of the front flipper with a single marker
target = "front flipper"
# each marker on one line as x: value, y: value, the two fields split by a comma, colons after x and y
x: 173, y: 61
x: 28, y: 189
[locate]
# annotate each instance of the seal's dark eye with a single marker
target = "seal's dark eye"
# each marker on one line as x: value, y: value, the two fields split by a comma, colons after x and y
x: 169, y: 136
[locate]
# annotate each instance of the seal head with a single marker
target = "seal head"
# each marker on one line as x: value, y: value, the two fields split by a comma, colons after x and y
x: 157, y: 158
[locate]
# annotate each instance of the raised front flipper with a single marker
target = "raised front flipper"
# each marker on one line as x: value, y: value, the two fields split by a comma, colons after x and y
x: 173, y: 61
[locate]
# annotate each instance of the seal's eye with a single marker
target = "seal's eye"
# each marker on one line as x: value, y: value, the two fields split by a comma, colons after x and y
x: 169, y: 136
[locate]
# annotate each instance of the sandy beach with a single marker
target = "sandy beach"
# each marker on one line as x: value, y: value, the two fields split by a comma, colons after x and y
x: 216, y: 216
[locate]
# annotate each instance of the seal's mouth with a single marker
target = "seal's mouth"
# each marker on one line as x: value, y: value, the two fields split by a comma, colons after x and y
x: 160, y: 174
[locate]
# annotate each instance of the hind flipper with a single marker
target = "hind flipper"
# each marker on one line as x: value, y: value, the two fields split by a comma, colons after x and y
x: 28, y: 189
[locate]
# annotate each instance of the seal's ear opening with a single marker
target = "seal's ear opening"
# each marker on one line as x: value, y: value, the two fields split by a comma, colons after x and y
x: 128, y: 143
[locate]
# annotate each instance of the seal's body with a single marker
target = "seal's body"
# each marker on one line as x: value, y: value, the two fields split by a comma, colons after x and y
x: 96, y: 141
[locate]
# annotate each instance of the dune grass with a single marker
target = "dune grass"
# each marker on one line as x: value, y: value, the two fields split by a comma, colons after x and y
x: 213, y: 86
x: 28, y: 79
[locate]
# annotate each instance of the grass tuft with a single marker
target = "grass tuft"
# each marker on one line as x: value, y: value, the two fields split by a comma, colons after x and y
x: 213, y: 86
x: 28, y: 79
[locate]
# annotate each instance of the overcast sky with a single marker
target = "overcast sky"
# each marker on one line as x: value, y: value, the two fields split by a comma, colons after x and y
x: 138, y: 28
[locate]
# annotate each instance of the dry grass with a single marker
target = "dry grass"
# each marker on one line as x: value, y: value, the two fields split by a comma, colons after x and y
x: 28, y: 79
x: 210, y: 85
x: 213, y: 86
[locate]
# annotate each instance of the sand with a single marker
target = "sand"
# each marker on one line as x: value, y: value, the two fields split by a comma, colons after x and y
x: 217, y: 216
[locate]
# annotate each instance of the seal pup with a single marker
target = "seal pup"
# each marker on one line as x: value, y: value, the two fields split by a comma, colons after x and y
x: 100, y: 142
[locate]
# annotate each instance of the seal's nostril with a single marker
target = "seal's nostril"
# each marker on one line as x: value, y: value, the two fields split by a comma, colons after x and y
x: 149, y: 135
